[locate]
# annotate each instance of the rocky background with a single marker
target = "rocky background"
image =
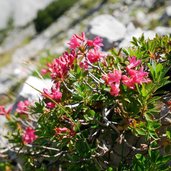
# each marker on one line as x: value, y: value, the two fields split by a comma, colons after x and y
x: 21, y: 46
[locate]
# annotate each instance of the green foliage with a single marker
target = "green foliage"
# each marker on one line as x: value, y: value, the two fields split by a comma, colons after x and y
x: 89, y: 128
x: 52, y: 12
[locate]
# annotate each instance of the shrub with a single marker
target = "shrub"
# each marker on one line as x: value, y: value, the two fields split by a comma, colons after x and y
x: 102, y: 111
x: 53, y: 11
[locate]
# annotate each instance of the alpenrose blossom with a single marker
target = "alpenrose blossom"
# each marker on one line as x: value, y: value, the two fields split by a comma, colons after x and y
x: 79, y: 41
x: 96, y: 42
x: 81, y: 50
x: 133, y: 62
x: 29, y: 136
x: 60, y: 66
x: 135, y: 77
x: 114, y: 89
x: 50, y: 97
x: 23, y: 107
x: 113, y: 80
x: 5, y: 112
x: 94, y: 55
x: 76, y: 41
x: 113, y: 77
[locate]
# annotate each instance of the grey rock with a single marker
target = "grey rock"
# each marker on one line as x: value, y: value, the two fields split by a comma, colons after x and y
x: 33, y: 86
x: 5, y: 13
x: 21, y: 11
x: 107, y: 27
x: 3, y: 132
x: 26, y: 10
x: 31, y: 89
x: 17, y: 37
x: 168, y: 11
x: 161, y: 30
x: 141, y: 18
x: 137, y: 33
x: 166, y: 17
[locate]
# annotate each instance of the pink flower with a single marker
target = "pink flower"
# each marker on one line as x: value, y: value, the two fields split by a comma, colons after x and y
x: 94, y: 55
x: 29, y: 136
x: 133, y: 62
x: 114, y: 77
x: 139, y: 76
x: 129, y: 82
x: 44, y: 71
x: 84, y: 65
x: 54, y: 95
x: 82, y: 37
x: 76, y: 40
x: 113, y: 80
x: 23, y: 107
x: 114, y: 91
x: 60, y: 66
x: 136, y: 77
x: 5, y: 112
x: 50, y: 105
x: 97, y: 42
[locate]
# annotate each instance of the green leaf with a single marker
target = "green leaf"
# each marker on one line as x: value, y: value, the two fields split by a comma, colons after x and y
x: 168, y: 134
x: 141, y: 131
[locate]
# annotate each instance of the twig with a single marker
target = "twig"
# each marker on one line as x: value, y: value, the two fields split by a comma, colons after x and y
x: 71, y: 91
x: 162, y: 117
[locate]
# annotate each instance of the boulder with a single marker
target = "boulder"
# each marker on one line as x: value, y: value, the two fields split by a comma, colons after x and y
x: 33, y: 86
x: 3, y: 132
x: 163, y: 30
x: 166, y: 17
x: 21, y: 11
x: 5, y: 13
x: 136, y: 33
x: 107, y: 27
x: 31, y: 90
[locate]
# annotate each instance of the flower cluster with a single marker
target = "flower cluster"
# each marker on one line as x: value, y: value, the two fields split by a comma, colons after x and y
x: 23, y: 107
x: 134, y: 76
x: 52, y: 97
x: 113, y: 80
x: 29, y: 135
x: 88, y: 51
x: 83, y: 51
x: 60, y: 66
x: 4, y: 111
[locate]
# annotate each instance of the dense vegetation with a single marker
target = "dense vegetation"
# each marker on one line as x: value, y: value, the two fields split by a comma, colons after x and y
x: 103, y: 112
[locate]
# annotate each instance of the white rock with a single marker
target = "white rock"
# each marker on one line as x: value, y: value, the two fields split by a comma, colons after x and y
x: 137, y: 33
x: 3, y: 132
x: 21, y: 11
x: 33, y: 86
x: 107, y: 27
x: 168, y: 11
x: 26, y: 10
x: 5, y: 12
x: 163, y: 30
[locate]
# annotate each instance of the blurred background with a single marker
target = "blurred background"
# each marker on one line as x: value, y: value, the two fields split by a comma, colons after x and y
x: 32, y: 29
x: 32, y: 32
